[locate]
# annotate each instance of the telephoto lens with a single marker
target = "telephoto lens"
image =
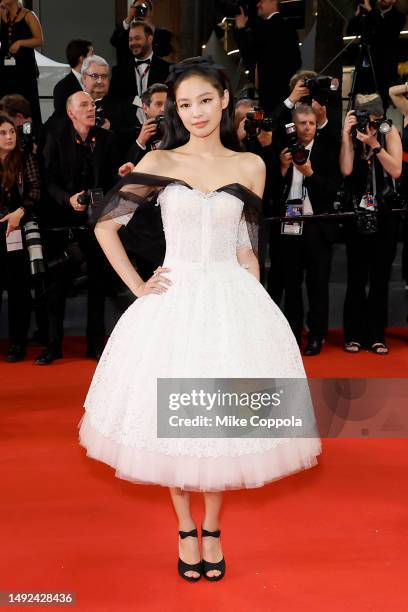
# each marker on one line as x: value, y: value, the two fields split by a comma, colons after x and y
x: 34, y: 247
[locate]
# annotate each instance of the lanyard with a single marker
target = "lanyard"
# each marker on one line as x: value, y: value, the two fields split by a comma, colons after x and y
x: 10, y: 26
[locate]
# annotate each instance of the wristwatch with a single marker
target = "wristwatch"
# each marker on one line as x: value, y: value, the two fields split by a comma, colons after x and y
x: 377, y: 150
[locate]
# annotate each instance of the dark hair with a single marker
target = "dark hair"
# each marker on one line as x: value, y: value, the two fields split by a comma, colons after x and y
x: 176, y: 134
x: 15, y: 104
x: 11, y: 166
x: 147, y: 95
x: 75, y: 49
x: 147, y: 28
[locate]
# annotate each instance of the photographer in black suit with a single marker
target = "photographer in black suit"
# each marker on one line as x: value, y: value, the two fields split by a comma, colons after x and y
x: 119, y: 116
x: 273, y: 45
x: 140, y: 10
x: 77, y: 50
x: 130, y: 80
x: 78, y: 157
x: 149, y: 134
x: 309, y: 187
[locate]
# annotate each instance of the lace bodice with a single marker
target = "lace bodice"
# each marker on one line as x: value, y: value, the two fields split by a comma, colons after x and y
x: 202, y: 227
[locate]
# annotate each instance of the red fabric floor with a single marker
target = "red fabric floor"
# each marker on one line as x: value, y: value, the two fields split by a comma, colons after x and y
x: 333, y: 538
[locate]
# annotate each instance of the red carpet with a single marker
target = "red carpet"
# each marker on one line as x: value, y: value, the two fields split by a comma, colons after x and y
x: 331, y: 539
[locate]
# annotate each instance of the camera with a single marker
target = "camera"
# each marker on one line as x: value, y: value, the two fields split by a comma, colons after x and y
x: 141, y: 10
x: 300, y: 154
x: 257, y: 120
x: 160, y: 124
x: 232, y: 8
x: 363, y: 121
x: 99, y: 113
x: 26, y: 137
x: 91, y: 198
x: 320, y: 89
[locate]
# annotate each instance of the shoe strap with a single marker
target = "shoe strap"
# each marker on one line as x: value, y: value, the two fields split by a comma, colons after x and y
x: 185, y: 534
x: 214, y: 534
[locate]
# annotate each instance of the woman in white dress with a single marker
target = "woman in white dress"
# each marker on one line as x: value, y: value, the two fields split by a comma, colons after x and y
x: 204, y: 314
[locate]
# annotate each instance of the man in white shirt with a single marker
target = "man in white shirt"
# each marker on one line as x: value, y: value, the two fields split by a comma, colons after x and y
x: 308, y: 252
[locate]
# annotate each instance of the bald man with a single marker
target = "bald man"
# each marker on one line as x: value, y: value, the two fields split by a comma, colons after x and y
x: 79, y: 158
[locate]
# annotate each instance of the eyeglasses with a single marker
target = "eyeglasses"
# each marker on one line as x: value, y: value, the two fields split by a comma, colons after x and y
x: 97, y: 77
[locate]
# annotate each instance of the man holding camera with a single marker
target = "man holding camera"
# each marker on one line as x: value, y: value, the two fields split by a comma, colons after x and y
x: 308, y: 186
x: 80, y: 163
x: 140, y: 10
x: 371, y: 158
x: 273, y: 45
x: 150, y: 133
x: 144, y: 68
x: 113, y: 114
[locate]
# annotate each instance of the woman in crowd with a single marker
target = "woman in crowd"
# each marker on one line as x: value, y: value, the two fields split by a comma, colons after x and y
x: 20, y: 34
x: 19, y: 193
x: 372, y: 160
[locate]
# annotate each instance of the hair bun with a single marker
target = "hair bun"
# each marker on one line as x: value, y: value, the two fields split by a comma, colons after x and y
x: 206, y: 63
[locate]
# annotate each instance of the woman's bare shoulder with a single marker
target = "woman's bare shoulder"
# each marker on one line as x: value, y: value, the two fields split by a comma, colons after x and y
x: 154, y: 162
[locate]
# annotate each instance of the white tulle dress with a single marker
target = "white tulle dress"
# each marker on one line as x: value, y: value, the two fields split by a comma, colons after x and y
x: 216, y: 320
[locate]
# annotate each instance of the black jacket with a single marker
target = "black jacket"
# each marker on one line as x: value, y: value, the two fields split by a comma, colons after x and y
x: 321, y: 186
x: 123, y: 83
x: 63, y: 168
x: 273, y: 45
x: 62, y: 90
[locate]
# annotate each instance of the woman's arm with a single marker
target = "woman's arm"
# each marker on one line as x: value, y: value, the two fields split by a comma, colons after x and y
x: 347, y: 147
x: 245, y: 255
x: 398, y: 95
x: 106, y: 233
x: 390, y: 159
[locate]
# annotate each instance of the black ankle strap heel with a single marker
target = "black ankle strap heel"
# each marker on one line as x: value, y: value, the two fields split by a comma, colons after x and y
x: 207, y: 565
x: 187, y: 567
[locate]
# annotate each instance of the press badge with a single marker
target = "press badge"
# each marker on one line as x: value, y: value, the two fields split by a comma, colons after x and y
x: 293, y: 209
x: 14, y: 241
x: 9, y: 61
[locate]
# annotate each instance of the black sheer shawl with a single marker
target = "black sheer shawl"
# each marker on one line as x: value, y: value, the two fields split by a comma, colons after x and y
x: 133, y: 202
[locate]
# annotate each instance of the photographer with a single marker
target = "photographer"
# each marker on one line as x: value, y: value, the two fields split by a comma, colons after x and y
x: 371, y: 156
x: 140, y: 10
x: 77, y: 50
x: 251, y: 132
x: 113, y: 114
x: 380, y: 28
x: 19, y: 193
x: 143, y: 69
x: 80, y: 164
x: 273, y: 46
x: 309, y: 179
x: 150, y: 133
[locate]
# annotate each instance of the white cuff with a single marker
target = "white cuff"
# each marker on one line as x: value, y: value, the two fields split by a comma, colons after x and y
x: 143, y: 147
x: 126, y: 26
x: 289, y: 104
